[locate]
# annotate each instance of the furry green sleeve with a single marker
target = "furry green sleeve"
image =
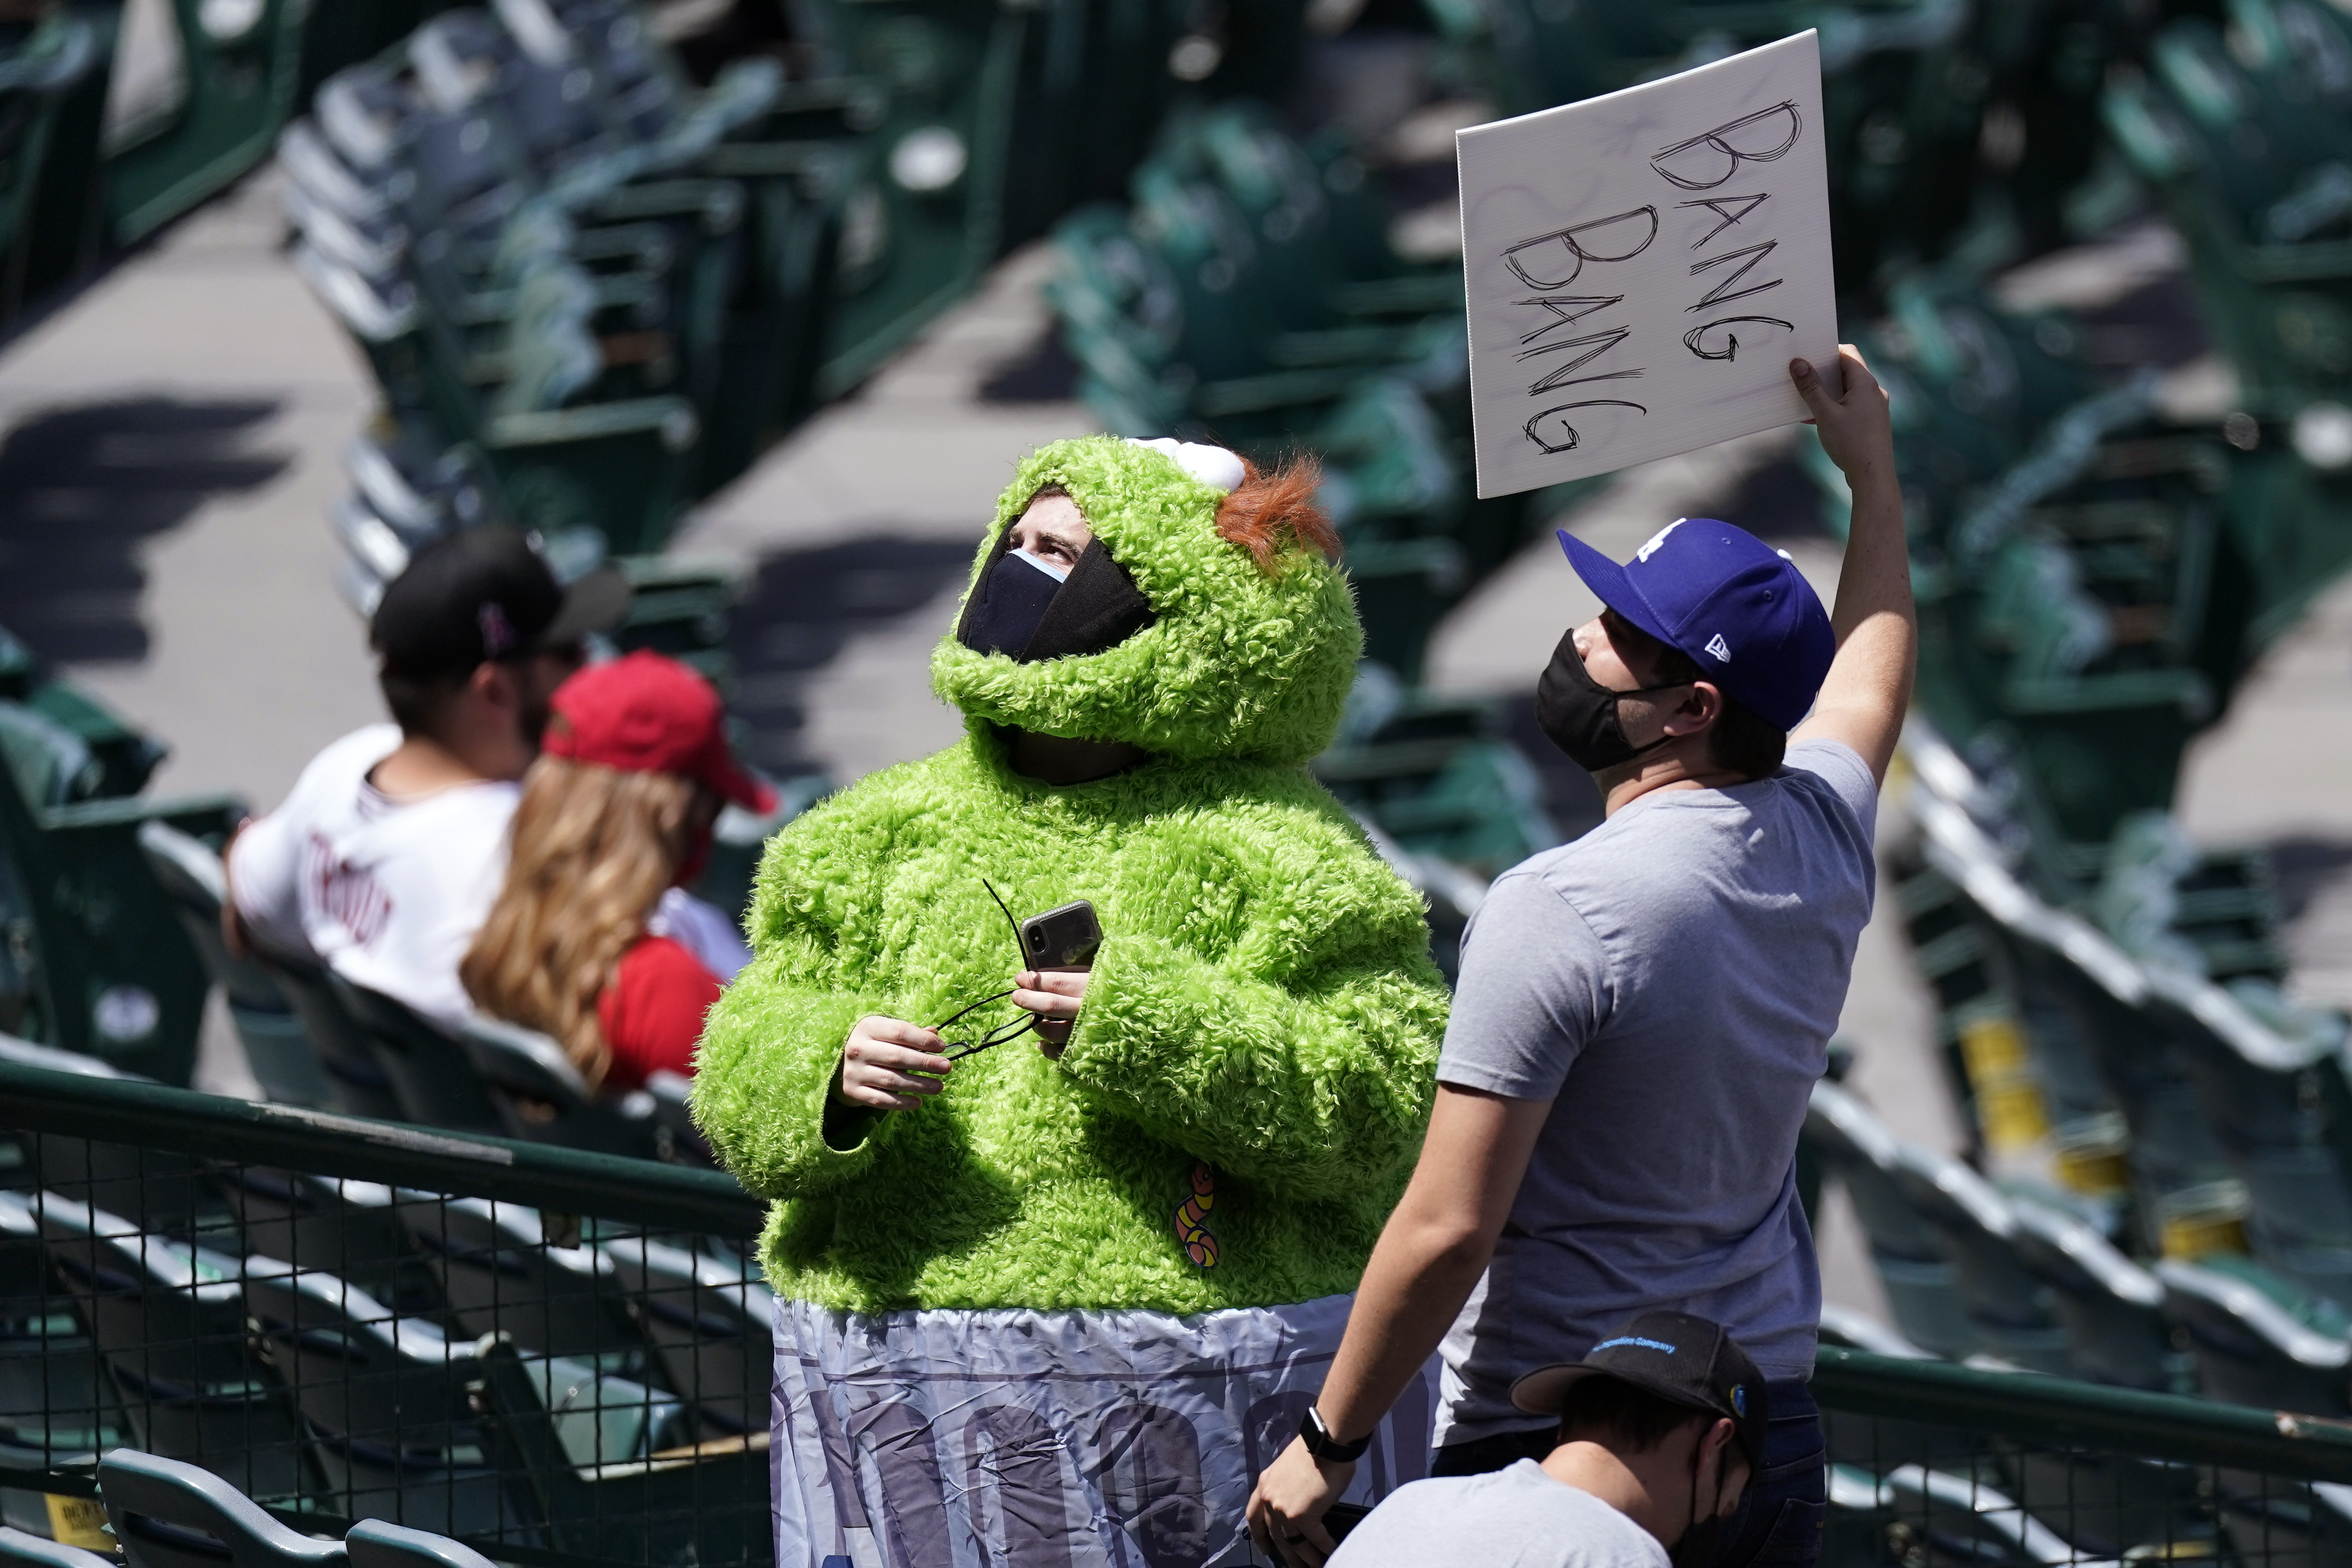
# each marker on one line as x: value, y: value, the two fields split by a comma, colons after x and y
x: 763, y: 1073
x: 1274, y: 1010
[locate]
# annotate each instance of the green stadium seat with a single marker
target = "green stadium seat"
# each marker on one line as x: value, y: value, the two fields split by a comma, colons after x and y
x: 2111, y: 1307
x: 57, y: 1406
x: 111, y: 973
x: 424, y: 1064
x: 21, y: 1550
x: 503, y: 1270
x: 710, y: 1318
x: 170, y: 1514
x: 707, y: 1502
x: 356, y: 1082
x: 1921, y: 1282
x: 348, y: 1229
x: 191, y: 875
x: 384, y: 1403
x: 2254, y: 1343
x: 168, y: 1320
x: 541, y: 1098
x: 673, y: 1114
x: 53, y: 73
x: 373, y: 1543
x: 243, y: 67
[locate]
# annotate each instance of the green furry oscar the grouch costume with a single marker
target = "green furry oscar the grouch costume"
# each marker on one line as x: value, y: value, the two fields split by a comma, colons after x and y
x: 1063, y: 1311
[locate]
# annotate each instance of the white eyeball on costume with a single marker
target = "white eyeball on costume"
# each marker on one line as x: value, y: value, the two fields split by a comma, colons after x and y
x: 1211, y: 466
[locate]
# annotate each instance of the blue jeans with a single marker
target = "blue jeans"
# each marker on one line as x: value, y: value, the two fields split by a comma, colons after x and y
x: 1779, y: 1524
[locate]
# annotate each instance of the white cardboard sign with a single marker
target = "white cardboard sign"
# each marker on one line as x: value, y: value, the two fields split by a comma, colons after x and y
x: 1642, y: 266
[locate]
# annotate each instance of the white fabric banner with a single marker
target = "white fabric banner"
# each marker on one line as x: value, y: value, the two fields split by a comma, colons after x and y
x: 1050, y: 1439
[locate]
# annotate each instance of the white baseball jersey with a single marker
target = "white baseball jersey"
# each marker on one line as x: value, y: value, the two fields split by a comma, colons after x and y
x: 386, y: 893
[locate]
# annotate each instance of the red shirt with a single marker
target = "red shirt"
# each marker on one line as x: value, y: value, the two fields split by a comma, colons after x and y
x: 652, y: 1012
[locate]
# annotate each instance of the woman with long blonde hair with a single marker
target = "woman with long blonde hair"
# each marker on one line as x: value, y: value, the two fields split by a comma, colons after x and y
x: 594, y: 940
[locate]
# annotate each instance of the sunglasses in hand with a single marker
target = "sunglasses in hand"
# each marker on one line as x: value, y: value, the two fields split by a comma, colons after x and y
x: 957, y: 1050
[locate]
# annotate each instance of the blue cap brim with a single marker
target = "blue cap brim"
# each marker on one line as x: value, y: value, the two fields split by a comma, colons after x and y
x: 1613, y: 586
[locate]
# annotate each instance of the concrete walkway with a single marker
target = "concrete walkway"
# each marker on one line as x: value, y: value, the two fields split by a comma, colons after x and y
x: 173, y: 440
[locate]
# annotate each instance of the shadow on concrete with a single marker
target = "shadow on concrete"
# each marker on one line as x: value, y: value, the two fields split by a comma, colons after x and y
x: 1778, y: 501
x: 804, y: 604
x: 1043, y: 372
x: 2160, y: 323
x: 2305, y: 868
x: 83, y: 490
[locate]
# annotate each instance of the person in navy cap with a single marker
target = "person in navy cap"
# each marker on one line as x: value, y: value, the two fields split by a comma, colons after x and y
x: 1642, y: 1013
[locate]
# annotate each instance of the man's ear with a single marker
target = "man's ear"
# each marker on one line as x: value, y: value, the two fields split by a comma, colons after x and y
x: 1722, y: 1466
x: 1700, y: 708
x: 495, y: 685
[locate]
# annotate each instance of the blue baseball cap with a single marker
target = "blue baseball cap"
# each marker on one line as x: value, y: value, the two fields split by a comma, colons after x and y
x: 1735, y: 605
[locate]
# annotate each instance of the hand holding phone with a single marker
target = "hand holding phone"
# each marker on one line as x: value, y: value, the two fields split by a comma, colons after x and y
x: 1060, y: 947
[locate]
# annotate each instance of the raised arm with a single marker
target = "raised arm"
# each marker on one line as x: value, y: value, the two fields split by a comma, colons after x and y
x: 1869, y: 686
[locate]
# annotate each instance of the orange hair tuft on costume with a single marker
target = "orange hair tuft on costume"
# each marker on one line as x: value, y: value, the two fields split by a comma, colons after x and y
x: 1269, y: 504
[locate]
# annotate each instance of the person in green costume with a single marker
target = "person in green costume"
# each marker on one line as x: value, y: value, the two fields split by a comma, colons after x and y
x: 1057, y: 1300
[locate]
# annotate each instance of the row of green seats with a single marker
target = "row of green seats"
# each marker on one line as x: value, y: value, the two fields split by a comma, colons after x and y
x: 515, y: 218
x: 91, y: 958
x: 620, y: 288
x: 2137, y: 1048
x: 80, y: 177
x: 2246, y: 133
x: 1950, y: 127
x: 2094, y: 577
x: 2089, y: 599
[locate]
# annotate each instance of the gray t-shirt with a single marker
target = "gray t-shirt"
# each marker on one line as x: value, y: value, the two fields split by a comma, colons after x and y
x: 1669, y: 981
x: 1519, y: 1517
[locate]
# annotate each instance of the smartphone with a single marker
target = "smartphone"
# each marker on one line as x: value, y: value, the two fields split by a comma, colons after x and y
x: 1064, y: 938
x: 1343, y: 1516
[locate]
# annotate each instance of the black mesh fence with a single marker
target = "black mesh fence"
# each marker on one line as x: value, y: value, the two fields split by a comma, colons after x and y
x: 563, y: 1358
x: 551, y: 1356
x: 1931, y: 1463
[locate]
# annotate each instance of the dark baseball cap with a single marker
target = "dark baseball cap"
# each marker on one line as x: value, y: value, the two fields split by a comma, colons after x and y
x: 1682, y: 1359
x: 484, y: 593
x: 1739, y: 608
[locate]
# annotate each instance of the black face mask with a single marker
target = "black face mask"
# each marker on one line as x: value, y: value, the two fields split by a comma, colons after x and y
x: 1701, y: 1541
x: 1022, y: 612
x: 1579, y: 714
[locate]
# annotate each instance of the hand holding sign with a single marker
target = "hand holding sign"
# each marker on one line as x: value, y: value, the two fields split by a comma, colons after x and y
x: 1642, y: 266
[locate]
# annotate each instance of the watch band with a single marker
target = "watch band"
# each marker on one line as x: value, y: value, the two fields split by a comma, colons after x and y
x: 1323, y: 1446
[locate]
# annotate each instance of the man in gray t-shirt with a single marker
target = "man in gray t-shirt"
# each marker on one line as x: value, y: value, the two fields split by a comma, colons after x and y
x: 1642, y: 1013
x: 1667, y: 983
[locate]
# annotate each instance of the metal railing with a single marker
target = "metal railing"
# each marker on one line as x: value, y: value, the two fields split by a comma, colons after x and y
x: 557, y: 1356
x: 1933, y: 1462
x: 563, y: 1358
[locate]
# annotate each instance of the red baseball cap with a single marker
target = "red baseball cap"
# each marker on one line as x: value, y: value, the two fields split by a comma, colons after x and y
x: 642, y: 713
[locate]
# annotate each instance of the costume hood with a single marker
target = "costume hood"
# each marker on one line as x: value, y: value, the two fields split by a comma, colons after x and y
x: 1237, y: 662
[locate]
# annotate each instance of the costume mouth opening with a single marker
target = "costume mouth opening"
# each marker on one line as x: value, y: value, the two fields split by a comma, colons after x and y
x: 1020, y: 611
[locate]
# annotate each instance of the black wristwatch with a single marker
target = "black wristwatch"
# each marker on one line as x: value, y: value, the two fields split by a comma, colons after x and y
x: 1323, y: 1446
